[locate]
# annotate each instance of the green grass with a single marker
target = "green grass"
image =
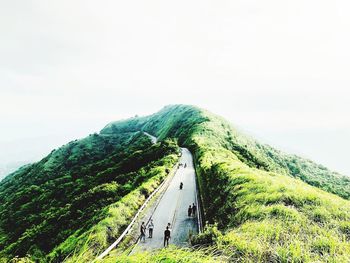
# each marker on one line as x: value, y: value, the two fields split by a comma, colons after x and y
x: 60, y: 198
x: 260, y: 205
x: 283, y: 219
x: 171, y: 254
x: 88, y: 246
x: 267, y: 216
x: 268, y: 206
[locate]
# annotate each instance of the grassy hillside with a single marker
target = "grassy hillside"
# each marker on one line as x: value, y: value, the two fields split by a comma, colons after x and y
x: 172, y: 254
x: 69, y: 191
x: 260, y: 205
x: 86, y: 246
x: 267, y: 206
x: 184, y: 122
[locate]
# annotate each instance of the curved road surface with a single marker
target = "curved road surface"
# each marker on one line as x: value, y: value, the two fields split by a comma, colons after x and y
x: 153, y: 139
x: 172, y: 208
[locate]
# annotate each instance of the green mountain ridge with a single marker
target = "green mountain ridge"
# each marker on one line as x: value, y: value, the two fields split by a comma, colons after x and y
x: 68, y: 191
x: 246, y: 148
x: 260, y: 205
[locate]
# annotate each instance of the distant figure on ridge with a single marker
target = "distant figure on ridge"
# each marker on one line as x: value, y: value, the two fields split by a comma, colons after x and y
x: 143, y: 232
x: 181, y: 185
x: 166, y: 236
x: 194, y: 209
x: 189, y: 211
x: 150, y: 229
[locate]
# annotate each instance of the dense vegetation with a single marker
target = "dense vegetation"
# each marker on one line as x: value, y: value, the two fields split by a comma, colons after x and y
x: 259, y: 204
x: 90, y: 244
x: 187, y: 123
x: 255, y: 195
x: 68, y: 192
x: 171, y: 254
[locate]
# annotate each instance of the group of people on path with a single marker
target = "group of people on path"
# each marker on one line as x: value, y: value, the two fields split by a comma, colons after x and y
x: 192, y: 210
x: 184, y: 165
x: 167, y: 232
x: 143, y: 230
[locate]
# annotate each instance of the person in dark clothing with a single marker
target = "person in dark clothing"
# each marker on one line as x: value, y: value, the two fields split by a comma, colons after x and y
x: 194, y: 209
x: 143, y: 232
x: 169, y: 226
x: 181, y: 185
x: 150, y: 229
x: 166, y: 236
x: 189, y: 211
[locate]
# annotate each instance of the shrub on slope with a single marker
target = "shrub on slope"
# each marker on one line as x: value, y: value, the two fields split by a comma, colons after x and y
x: 85, y: 247
x: 171, y: 254
x: 187, y: 123
x: 254, y: 194
x: 268, y: 217
x: 65, y: 193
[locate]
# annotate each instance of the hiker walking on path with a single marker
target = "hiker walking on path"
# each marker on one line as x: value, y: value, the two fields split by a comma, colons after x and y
x: 194, y: 209
x: 166, y: 236
x: 150, y: 229
x: 189, y: 211
x: 181, y: 185
x: 143, y: 232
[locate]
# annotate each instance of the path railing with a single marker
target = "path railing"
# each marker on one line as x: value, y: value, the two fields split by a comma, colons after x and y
x: 199, y: 213
x: 165, y: 183
x: 198, y: 201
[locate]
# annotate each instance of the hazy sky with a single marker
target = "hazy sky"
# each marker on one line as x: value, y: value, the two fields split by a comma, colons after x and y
x: 277, y: 69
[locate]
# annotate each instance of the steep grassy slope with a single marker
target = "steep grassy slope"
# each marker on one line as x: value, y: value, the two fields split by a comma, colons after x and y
x: 86, y: 246
x: 170, y: 254
x: 69, y: 192
x: 184, y: 122
x: 256, y: 195
x: 270, y: 217
x: 260, y: 205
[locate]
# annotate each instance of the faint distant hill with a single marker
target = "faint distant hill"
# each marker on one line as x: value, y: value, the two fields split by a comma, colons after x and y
x: 14, y: 154
x: 9, y: 168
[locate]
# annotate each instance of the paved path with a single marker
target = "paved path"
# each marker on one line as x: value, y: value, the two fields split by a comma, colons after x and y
x: 172, y: 208
x: 153, y: 139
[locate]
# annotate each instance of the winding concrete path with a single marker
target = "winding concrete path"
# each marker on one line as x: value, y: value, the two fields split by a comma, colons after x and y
x: 172, y: 208
x: 153, y: 139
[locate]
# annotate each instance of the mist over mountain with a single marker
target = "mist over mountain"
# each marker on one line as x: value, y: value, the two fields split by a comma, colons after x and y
x: 8, y: 168
x: 14, y: 154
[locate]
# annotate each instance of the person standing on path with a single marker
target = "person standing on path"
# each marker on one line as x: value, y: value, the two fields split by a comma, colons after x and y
x: 194, y: 209
x: 150, y: 229
x: 143, y: 232
x: 169, y: 227
x: 189, y: 211
x: 166, y: 236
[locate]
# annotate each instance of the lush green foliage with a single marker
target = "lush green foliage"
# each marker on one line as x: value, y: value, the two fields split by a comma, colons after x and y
x: 67, y: 192
x: 171, y: 254
x: 90, y: 244
x: 256, y: 195
x: 271, y: 217
x: 188, y: 124
x: 265, y: 206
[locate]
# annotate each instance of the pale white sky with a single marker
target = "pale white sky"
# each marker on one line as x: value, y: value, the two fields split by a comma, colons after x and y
x: 278, y: 69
